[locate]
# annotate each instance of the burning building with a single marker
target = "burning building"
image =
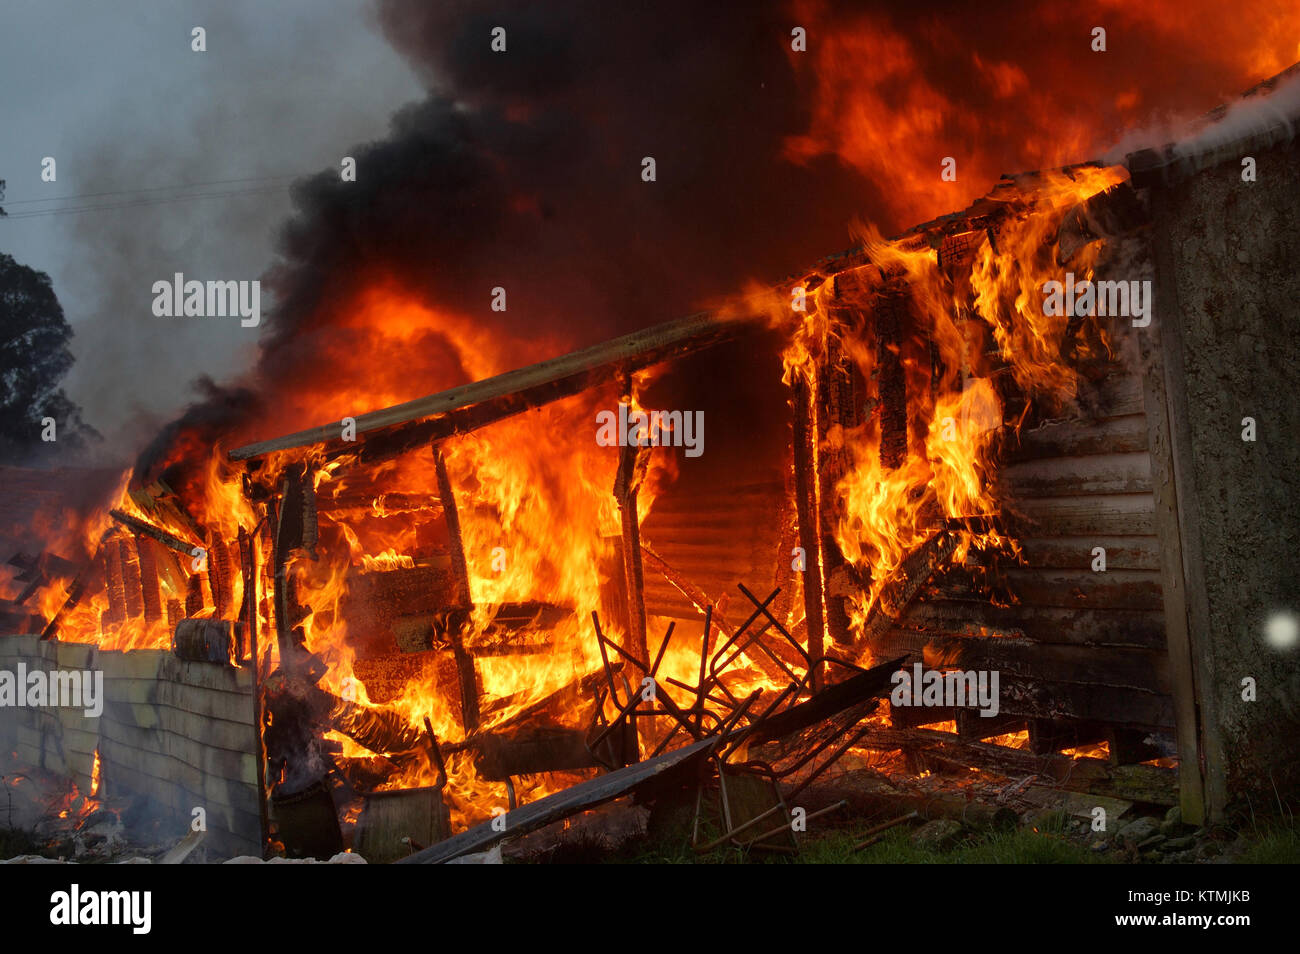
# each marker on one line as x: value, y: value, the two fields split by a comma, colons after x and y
x: 1047, y: 439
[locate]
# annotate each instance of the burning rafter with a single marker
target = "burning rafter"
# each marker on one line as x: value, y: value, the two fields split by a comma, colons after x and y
x: 478, y: 403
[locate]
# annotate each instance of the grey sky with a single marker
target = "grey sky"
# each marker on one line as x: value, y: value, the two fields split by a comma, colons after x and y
x: 115, y: 94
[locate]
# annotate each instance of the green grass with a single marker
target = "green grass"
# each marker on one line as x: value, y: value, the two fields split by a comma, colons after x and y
x: 1278, y: 845
x: 670, y: 845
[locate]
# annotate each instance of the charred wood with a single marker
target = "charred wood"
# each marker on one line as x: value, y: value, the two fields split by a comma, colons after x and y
x: 131, y: 577
x: 149, y: 586
x: 149, y: 530
x: 804, y: 450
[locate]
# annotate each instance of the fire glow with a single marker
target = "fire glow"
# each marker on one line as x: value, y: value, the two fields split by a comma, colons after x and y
x: 535, y: 526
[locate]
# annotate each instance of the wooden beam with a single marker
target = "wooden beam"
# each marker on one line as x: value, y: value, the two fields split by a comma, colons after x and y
x: 890, y: 314
x: 149, y: 589
x: 804, y: 450
x: 149, y: 530
x: 248, y: 556
x: 131, y: 577
x: 467, y: 675
x: 1202, y: 781
x: 575, y: 371
x: 661, y: 770
x: 632, y: 461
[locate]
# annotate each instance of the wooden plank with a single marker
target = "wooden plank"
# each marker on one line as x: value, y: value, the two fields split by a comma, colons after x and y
x: 207, y: 759
x: 72, y: 655
x: 890, y: 313
x: 213, y: 677
x: 206, y: 675
x: 208, y: 733
x: 1076, y: 476
x: 1201, y: 778
x: 580, y: 797
x: 1121, y: 435
x: 1082, y: 589
x: 143, y: 715
x: 1049, y: 735
x: 1109, y: 515
x: 81, y: 740
x: 627, y: 353
x: 209, y: 788
x: 1089, y: 703
x: 1116, y: 666
x: 975, y: 727
x: 200, y: 701
x: 27, y: 645
x: 1075, y: 553
x: 153, y: 716
x: 1119, y: 394
x: 1142, y: 628
x: 221, y: 818
x: 221, y: 578
x: 804, y: 436
x: 139, y: 664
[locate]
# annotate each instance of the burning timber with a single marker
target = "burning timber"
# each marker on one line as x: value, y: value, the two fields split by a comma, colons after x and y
x: 967, y: 482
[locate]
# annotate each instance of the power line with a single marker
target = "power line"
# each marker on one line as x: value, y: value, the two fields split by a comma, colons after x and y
x: 191, y: 185
x: 33, y: 213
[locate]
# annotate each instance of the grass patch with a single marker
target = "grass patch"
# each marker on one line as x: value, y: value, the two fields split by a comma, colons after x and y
x: 670, y: 845
x: 1278, y: 845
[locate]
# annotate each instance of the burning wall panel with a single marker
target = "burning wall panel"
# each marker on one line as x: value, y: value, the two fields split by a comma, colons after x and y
x: 1026, y: 446
x: 715, y: 539
x: 1058, y: 629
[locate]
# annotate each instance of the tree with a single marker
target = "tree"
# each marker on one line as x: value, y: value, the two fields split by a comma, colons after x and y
x: 34, y: 357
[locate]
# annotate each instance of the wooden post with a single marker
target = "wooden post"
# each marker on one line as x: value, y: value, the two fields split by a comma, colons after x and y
x: 112, y: 557
x: 890, y: 310
x: 460, y: 566
x: 804, y: 450
x: 288, y: 537
x: 220, y: 572
x: 632, y: 462
x: 248, y: 562
x: 149, y: 591
x: 1181, y: 578
x: 131, y: 577
x: 193, y: 596
x: 840, y: 400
